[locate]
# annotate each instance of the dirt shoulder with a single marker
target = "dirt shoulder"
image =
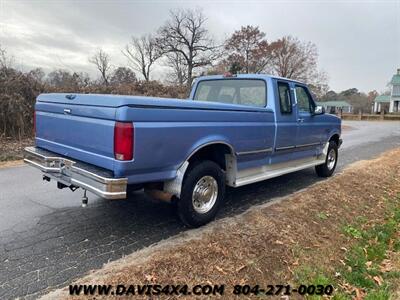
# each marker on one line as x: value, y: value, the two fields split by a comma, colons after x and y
x: 306, y: 238
x: 11, y: 150
x: 11, y: 163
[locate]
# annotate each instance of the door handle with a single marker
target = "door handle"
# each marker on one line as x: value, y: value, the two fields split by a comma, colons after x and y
x: 67, y: 111
x: 300, y: 120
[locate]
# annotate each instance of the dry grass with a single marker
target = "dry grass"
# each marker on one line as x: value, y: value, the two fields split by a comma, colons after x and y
x: 11, y: 149
x: 11, y: 163
x: 268, y: 243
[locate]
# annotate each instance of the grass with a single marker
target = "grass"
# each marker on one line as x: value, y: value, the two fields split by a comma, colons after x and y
x: 12, y: 149
x: 361, y: 273
x: 322, y: 216
x: 351, y: 231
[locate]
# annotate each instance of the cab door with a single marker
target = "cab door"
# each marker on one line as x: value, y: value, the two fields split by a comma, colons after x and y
x: 286, y: 123
x: 309, y: 127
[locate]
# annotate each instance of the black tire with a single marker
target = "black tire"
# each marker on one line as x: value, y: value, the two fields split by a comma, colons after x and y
x: 195, y: 174
x: 326, y: 169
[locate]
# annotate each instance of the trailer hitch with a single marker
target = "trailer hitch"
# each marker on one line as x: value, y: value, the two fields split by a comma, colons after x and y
x: 61, y: 186
x: 85, y: 199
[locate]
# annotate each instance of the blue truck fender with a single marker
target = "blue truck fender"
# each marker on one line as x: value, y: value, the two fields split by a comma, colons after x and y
x: 174, y: 186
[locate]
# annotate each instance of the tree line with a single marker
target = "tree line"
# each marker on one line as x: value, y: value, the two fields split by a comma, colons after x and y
x: 183, y: 45
x: 187, y: 48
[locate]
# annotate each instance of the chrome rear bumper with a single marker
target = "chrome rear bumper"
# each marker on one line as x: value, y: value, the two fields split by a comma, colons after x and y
x: 78, y: 174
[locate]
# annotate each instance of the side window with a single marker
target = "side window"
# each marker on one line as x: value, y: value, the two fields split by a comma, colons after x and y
x: 304, y: 100
x: 285, y: 100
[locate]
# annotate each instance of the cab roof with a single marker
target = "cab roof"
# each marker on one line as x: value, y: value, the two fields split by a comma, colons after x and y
x: 246, y: 76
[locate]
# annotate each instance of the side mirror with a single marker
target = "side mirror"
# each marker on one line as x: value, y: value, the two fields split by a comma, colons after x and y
x: 319, y: 110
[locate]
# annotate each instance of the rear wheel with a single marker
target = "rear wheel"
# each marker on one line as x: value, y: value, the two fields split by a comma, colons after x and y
x: 327, y: 168
x: 203, y: 191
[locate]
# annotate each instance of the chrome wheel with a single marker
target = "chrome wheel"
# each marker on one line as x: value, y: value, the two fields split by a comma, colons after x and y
x: 205, y: 194
x: 331, y: 159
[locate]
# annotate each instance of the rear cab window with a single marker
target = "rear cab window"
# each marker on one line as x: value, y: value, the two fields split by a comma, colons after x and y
x: 250, y: 92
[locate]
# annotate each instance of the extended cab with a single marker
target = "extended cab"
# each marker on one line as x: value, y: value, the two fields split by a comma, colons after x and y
x: 233, y: 131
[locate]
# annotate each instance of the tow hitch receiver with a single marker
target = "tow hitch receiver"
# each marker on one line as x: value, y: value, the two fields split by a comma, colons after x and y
x: 73, y: 188
x: 74, y: 174
x: 84, y: 199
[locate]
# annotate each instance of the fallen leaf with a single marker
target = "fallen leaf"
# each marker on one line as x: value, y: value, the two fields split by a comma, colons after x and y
x: 378, y: 280
x: 150, y: 277
x: 349, y: 269
x: 290, y: 270
x: 359, y: 294
x: 220, y: 269
x: 240, y: 268
x: 279, y: 242
x: 386, y: 266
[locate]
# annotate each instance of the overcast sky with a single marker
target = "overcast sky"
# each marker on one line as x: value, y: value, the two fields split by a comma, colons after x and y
x: 358, y: 41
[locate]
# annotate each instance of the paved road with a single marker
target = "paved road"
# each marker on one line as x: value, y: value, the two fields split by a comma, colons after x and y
x: 47, y: 239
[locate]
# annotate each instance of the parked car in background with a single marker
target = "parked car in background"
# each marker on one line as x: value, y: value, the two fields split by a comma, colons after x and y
x: 233, y: 131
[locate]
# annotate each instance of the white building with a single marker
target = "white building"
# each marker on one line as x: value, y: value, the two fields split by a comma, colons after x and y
x: 390, y: 102
x: 336, y: 107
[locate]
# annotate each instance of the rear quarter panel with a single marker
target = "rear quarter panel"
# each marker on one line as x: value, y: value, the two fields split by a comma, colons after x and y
x: 165, y: 137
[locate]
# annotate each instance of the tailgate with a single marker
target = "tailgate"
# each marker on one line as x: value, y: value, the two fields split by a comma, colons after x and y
x: 81, y: 127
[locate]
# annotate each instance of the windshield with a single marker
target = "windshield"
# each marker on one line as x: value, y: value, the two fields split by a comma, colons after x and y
x: 250, y: 92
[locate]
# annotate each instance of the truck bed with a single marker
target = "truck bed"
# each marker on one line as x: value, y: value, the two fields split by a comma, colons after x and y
x: 166, y: 131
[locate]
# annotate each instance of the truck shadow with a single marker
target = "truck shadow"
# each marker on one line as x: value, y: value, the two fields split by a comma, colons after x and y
x: 69, y: 242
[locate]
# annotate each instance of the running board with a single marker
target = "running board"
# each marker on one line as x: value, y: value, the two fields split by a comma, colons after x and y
x: 270, y: 171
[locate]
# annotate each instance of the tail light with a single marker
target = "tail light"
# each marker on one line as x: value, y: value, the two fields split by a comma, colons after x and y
x: 123, y: 141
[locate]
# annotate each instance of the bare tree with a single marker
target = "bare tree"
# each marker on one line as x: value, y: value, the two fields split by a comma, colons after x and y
x: 102, y: 62
x: 248, y: 50
x: 294, y: 59
x: 5, y: 61
x: 37, y: 74
x: 177, y: 64
x: 142, y: 53
x: 123, y: 75
x: 65, y: 81
x: 185, y: 33
x: 3, y: 57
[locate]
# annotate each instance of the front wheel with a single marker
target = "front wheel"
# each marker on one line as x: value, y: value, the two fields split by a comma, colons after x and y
x: 203, y: 191
x: 327, y: 168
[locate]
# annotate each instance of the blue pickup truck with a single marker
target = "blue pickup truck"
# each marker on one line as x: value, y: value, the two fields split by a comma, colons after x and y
x: 232, y: 131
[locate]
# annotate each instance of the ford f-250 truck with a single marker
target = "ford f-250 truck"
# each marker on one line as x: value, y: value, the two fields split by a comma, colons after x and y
x: 233, y: 131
